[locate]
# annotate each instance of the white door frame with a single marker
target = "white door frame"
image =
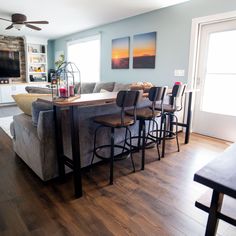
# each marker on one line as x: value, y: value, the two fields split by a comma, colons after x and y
x: 197, y: 24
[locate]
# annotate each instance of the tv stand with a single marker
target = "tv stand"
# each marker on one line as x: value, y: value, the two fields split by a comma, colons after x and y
x: 7, y: 90
x: 4, y: 80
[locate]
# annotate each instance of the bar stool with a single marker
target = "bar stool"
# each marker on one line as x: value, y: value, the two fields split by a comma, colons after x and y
x: 156, y: 94
x: 125, y: 99
x: 169, y: 110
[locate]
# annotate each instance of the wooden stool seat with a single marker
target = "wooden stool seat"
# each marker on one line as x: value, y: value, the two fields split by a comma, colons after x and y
x: 166, y: 108
x: 145, y: 113
x: 114, y: 120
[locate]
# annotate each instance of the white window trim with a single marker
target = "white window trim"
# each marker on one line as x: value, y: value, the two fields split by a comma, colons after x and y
x: 86, y: 39
x: 197, y: 23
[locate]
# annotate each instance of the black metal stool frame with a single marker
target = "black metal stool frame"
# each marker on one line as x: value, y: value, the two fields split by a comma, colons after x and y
x: 156, y: 94
x: 124, y: 99
x: 177, y: 92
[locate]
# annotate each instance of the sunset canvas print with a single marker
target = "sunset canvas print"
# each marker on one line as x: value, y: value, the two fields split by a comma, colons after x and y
x: 144, y: 51
x: 120, y: 53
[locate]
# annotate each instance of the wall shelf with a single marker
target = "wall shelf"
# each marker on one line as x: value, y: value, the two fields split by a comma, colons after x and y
x: 36, y: 61
x: 37, y: 72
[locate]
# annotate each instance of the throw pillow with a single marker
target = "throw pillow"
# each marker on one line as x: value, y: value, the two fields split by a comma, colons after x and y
x: 103, y: 91
x: 118, y: 87
x: 39, y: 90
x: 108, y: 86
x: 24, y: 101
x: 38, y: 106
x: 87, y: 87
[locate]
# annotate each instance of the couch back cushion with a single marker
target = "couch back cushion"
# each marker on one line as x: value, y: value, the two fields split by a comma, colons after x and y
x: 87, y: 87
x: 109, y: 86
x: 37, y: 107
x: 24, y: 101
x: 118, y: 87
x: 39, y: 90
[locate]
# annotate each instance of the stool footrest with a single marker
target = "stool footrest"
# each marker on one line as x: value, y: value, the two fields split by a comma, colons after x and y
x: 168, y: 133
x: 120, y: 156
x: 135, y: 148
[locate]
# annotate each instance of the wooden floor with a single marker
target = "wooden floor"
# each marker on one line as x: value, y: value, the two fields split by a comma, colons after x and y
x: 9, y: 110
x: 156, y: 201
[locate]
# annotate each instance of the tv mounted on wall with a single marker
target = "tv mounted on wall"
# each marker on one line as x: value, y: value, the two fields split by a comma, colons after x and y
x: 9, y: 64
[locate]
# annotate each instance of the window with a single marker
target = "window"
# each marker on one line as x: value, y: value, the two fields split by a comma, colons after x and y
x: 220, y: 79
x: 85, y: 53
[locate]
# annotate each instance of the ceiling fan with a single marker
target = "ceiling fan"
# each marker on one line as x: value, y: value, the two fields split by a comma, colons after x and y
x: 20, y: 20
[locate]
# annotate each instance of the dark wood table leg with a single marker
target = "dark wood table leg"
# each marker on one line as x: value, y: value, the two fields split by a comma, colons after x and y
x: 143, y: 142
x: 59, y: 142
x: 212, y: 222
x: 189, y: 117
x: 164, y: 136
x: 139, y: 135
x: 75, y: 143
x: 171, y: 118
x: 112, y: 154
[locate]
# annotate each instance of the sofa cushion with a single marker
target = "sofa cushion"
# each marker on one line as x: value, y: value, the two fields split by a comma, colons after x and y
x: 104, y: 91
x: 39, y: 90
x: 118, y: 87
x: 109, y: 86
x: 37, y: 107
x: 87, y: 87
x: 24, y: 101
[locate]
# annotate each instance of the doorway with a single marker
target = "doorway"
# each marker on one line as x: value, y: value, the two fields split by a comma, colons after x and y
x: 215, y: 108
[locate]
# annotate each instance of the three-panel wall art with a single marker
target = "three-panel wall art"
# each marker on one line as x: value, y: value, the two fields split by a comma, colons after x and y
x: 144, y: 51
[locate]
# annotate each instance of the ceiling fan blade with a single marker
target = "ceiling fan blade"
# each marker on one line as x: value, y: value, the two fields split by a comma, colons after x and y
x: 5, y: 19
x: 36, y: 22
x: 9, y: 27
x: 32, y: 27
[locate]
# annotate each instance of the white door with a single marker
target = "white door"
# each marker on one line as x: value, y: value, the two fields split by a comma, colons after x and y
x: 215, y: 107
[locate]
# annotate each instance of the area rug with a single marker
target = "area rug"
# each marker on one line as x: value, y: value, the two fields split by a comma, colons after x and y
x: 5, y: 124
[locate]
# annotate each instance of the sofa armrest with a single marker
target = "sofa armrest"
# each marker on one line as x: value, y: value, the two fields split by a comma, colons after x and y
x: 46, y: 127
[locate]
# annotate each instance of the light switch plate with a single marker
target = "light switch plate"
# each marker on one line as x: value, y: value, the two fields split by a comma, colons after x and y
x: 179, y: 73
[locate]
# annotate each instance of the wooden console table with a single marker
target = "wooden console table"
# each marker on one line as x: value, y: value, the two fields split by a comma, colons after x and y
x: 85, y: 100
x: 219, y: 175
x: 74, y: 164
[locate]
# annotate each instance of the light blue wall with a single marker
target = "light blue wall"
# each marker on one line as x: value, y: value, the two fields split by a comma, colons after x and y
x: 51, y: 53
x: 173, y: 26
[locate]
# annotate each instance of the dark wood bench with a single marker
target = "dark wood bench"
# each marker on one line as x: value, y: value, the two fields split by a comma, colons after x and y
x: 219, y: 175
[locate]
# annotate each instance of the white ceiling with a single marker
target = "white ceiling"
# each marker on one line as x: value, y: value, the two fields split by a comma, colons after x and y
x: 70, y: 16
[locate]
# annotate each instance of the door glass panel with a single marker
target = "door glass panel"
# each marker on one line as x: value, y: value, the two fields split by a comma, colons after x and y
x: 219, y: 93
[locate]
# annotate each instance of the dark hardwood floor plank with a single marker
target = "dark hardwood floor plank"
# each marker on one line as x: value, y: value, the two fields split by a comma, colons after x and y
x: 156, y: 201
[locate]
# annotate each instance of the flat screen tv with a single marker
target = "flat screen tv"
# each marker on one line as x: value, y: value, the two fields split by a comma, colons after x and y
x: 9, y: 64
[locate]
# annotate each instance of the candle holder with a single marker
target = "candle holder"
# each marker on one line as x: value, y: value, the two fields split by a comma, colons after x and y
x: 67, y: 82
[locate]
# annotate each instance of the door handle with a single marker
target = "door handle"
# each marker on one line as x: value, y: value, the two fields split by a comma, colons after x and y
x: 198, y: 82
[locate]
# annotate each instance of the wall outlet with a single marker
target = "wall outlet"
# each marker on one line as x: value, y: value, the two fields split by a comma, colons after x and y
x: 179, y: 73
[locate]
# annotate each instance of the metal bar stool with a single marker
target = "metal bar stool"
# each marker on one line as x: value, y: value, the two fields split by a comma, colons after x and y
x: 156, y: 94
x: 169, y: 110
x: 125, y: 99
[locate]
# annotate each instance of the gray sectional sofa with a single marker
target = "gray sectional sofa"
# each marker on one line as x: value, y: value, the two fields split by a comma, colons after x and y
x: 34, y: 141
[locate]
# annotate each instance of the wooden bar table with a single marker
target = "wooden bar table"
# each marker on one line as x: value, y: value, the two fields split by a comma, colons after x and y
x: 72, y: 105
x: 187, y: 124
x: 92, y: 99
x: 219, y: 175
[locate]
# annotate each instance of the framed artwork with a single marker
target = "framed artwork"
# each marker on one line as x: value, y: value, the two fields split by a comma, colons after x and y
x: 144, y: 50
x: 120, y: 53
